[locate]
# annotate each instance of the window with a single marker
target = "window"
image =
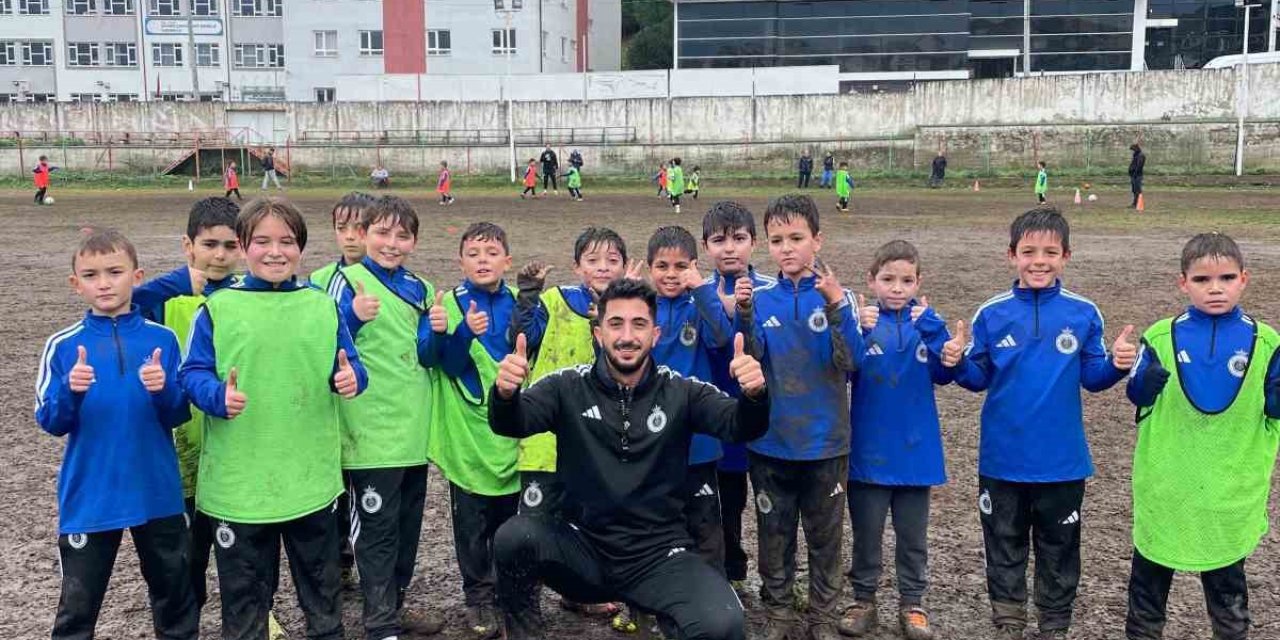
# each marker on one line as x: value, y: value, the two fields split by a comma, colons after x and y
x: 8, y: 53
x: 259, y: 56
x: 82, y: 54
x: 370, y: 43
x: 33, y: 7
x: 123, y: 97
x: 117, y: 8
x: 119, y: 54
x: 37, y: 53
x: 6, y: 7
x: 208, y: 54
x: 504, y: 41
x: 257, y: 7
x: 84, y: 97
x: 164, y: 8
x: 166, y: 54
x: 79, y: 7
x: 438, y: 42
x: 326, y: 44
x: 325, y: 94
x: 205, y: 7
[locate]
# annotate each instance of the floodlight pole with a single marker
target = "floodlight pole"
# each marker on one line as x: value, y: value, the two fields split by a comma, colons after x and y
x: 1243, y: 105
x: 508, y: 51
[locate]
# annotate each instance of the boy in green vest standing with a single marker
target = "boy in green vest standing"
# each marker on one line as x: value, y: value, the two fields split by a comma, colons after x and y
x: 675, y: 183
x: 484, y: 486
x: 1042, y: 182
x: 271, y: 463
x: 385, y: 431
x: 844, y: 187
x: 345, y: 217
x: 1207, y: 387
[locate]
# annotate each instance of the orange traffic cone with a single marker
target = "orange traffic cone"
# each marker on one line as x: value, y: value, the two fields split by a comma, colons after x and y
x: 1077, y: 196
x: 1142, y: 205
x: 976, y: 186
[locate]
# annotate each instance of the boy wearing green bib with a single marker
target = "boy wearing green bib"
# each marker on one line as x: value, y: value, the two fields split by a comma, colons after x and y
x: 270, y: 468
x: 484, y: 487
x: 385, y: 431
x: 1207, y: 388
x: 346, y: 216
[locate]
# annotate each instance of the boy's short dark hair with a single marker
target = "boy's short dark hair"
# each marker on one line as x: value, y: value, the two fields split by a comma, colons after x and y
x: 259, y: 208
x: 676, y: 160
x: 394, y: 210
x: 1211, y: 245
x: 726, y: 217
x: 629, y: 289
x: 843, y: 165
x: 352, y: 207
x: 672, y: 237
x: 43, y: 158
x: 101, y: 240
x: 484, y: 231
x: 1040, y: 219
x: 893, y: 251
x: 598, y: 236
x: 790, y: 207
x: 1042, y: 164
x: 207, y: 213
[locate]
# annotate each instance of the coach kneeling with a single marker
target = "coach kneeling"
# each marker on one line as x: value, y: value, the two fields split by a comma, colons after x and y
x: 623, y: 428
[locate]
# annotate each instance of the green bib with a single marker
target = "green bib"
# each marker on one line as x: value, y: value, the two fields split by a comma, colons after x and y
x: 281, y: 458
x: 386, y: 426
x: 567, y: 342
x: 323, y: 276
x: 575, y: 179
x: 467, y: 451
x: 1200, y: 481
x: 178, y: 314
x: 842, y: 183
x: 675, y: 181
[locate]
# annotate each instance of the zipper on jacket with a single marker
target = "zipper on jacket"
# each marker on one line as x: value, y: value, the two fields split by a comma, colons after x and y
x: 1036, y: 295
x: 624, y: 406
x: 795, y: 296
x: 115, y: 334
x: 1213, y: 335
x: 898, y: 315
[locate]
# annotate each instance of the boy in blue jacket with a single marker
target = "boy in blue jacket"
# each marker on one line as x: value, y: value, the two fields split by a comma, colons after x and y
x: 109, y: 383
x: 1031, y: 350
x: 692, y: 322
x: 808, y: 339
x: 896, y: 450
x: 729, y: 236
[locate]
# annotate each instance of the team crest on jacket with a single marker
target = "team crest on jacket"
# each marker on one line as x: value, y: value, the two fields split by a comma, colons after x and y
x: 1238, y: 364
x: 225, y: 536
x: 370, y: 501
x: 77, y: 540
x: 984, y: 502
x: 1067, y: 342
x: 818, y: 321
x: 922, y: 353
x: 764, y: 504
x: 532, y: 495
x: 688, y: 334
x: 657, y: 420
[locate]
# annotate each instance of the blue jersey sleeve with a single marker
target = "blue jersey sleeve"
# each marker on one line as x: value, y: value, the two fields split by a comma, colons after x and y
x: 151, y: 296
x: 348, y: 344
x: 1272, y: 388
x: 198, y: 374
x: 340, y: 290
x: 1097, y: 373
x: 428, y: 343
x: 1147, y: 379
x: 716, y: 330
x: 455, y: 357
x: 532, y: 320
x: 848, y: 347
x: 973, y: 372
x: 933, y: 333
x: 57, y: 407
x: 172, y: 408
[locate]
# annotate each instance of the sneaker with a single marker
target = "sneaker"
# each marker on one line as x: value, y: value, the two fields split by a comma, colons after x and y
x: 1008, y: 632
x: 860, y: 619
x: 825, y: 630
x: 775, y: 629
x: 623, y: 623
x: 482, y: 622
x: 420, y: 621
x: 274, y: 630
x: 914, y: 621
x: 740, y: 588
x: 1052, y: 634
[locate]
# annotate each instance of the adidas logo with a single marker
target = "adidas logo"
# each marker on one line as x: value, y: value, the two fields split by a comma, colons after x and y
x: 1184, y: 357
x: 772, y: 322
x: 836, y: 491
x: 875, y: 350
x: 593, y: 413
x: 705, y: 491
x: 1008, y: 342
x: 1073, y: 518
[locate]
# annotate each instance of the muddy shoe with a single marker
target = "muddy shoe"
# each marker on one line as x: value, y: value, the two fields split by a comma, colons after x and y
x: 824, y: 630
x: 775, y: 629
x: 1009, y: 632
x: 859, y: 620
x: 482, y: 623
x: 274, y: 630
x: 420, y: 621
x: 1052, y: 634
x: 914, y: 622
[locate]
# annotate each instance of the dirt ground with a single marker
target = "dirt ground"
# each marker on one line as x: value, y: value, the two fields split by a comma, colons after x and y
x: 1126, y: 262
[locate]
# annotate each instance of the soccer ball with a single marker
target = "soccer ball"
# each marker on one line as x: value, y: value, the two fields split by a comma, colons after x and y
x: 1093, y: 197
x: 48, y: 200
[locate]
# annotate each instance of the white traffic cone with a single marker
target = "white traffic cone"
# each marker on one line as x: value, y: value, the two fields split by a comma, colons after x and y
x: 191, y: 185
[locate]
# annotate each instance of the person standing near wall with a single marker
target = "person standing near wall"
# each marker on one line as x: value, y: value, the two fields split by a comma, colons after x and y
x: 269, y: 169
x: 939, y: 170
x: 828, y: 170
x: 806, y: 169
x: 1137, y: 167
x: 550, y: 169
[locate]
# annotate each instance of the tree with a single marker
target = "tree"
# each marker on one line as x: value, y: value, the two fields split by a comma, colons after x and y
x: 646, y: 34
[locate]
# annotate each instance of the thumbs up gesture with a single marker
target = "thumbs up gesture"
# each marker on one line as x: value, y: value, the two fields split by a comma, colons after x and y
x: 365, y: 306
x: 954, y: 348
x: 438, y: 316
x: 235, y: 399
x: 477, y: 321
x: 746, y: 369
x: 1123, y: 352
x: 344, y: 379
x: 691, y: 278
x: 198, y: 281
x: 918, y: 310
x: 152, y: 373
x: 743, y: 290
x: 868, y: 315
x: 513, y: 369
x: 81, y: 376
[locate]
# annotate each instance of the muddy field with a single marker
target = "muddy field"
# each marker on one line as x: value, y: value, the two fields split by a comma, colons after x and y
x: 1126, y: 262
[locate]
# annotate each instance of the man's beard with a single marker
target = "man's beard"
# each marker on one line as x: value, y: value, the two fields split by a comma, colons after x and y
x: 625, y: 369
